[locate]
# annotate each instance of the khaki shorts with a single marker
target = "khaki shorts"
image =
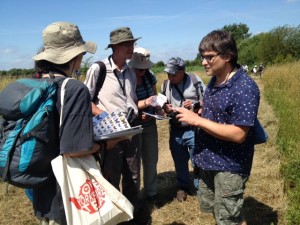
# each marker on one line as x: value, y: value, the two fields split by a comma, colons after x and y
x: 221, y: 193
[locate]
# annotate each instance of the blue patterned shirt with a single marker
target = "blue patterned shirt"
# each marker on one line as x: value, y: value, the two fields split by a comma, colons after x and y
x: 235, y: 102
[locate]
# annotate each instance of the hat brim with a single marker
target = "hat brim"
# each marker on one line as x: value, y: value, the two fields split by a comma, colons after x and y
x: 58, y: 56
x: 144, y: 66
x: 124, y: 40
x: 170, y: 70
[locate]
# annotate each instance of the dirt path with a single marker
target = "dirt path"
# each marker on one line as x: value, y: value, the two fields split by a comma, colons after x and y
x: 264, y: 199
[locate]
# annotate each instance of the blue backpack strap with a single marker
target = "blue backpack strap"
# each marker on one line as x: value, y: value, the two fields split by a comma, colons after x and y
x: 9, y: 145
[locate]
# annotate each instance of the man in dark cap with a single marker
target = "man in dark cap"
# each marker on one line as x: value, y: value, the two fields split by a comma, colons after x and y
x: 182, y: 90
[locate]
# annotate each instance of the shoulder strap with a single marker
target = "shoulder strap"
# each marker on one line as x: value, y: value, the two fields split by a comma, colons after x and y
x: 100, y: 80
x: 62, y: 97
x: 197, y: 85
x: 165, y: 84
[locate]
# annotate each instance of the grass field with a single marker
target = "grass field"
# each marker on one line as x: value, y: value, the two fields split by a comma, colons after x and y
x: 272, y: 194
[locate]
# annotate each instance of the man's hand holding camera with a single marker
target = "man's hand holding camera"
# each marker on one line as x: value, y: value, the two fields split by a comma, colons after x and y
x: 189, y: 116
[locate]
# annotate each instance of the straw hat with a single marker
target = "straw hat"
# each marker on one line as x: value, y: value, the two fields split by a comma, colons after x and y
x: 140, y: 59
x: 63, y: 42
x: 119, y: 35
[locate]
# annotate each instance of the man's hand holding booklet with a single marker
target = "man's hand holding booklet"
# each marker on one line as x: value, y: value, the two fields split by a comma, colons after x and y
x: 114, y: 125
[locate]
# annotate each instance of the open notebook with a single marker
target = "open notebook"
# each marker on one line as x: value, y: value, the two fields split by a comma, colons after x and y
x: 114, y: 125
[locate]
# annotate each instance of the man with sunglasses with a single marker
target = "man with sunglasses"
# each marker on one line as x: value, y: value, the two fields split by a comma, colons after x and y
x: 118, y: 92
x: 225, y: 148
x: 182, y: 90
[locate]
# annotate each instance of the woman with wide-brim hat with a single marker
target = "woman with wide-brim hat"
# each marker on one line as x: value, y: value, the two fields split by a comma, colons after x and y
x: 146, y: 93
x: 61, y: 55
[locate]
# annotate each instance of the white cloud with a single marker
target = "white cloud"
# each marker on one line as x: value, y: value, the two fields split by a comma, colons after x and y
x: 8, y: 51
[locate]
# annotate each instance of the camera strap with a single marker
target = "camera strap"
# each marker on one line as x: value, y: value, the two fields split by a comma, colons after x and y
x: 180, y: 92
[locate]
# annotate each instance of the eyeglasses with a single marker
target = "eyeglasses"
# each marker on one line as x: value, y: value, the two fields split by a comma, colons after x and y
x: 172, y: 75
x: 209, y: 58
x: 140, y: 70
x: 128, y: 44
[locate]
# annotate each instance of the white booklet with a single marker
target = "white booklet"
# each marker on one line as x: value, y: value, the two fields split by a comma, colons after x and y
x: 161, y: 99
x: 114, y: 125
x: 158, y: 117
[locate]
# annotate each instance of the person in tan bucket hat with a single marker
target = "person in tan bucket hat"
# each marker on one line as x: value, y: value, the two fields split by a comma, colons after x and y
x: 61, y: 55
x: 62, y: 42
x: 146, y: 91
x: 118, y: 92
x: 122, y: 34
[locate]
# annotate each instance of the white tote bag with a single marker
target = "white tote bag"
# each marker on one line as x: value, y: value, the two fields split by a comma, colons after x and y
x: 88, y: 198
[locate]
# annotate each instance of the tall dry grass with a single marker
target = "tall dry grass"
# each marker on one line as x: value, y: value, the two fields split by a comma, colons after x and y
x: 282, y: 88
x: 4, y: 81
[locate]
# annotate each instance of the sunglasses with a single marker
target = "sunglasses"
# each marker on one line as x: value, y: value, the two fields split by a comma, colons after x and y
x: 140, y: 70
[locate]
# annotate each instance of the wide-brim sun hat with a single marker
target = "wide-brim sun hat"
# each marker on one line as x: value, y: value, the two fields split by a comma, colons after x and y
x: 120, y: 35
x: 62, y: 42
x: 140, y: 59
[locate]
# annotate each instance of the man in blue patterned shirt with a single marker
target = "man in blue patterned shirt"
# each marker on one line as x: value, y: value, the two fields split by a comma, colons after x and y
x: 225, y: 148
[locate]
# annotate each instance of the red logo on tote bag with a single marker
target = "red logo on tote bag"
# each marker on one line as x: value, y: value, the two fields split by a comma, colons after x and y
x: 91, y: 197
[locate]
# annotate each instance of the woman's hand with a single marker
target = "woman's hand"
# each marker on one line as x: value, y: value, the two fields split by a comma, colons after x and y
x: 151, y: 101
x: 111, y: 143
x: 95, y: 148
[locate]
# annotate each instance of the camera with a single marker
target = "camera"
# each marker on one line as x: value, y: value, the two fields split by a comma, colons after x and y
x: 173, y: 115
x: 130, y: 115
x: 196, y: 106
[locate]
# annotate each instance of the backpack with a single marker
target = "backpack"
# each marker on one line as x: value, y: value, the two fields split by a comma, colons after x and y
x: 29, y: 132
x: 100, y: 80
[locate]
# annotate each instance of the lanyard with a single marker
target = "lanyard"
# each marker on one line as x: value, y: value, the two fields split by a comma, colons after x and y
x: 179, y: 91
x: 120, y: 83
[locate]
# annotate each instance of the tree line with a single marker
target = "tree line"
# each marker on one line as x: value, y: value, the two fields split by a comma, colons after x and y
x: 280, y: 45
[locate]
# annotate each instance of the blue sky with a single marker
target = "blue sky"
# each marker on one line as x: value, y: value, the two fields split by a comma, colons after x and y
x: 168, y: 27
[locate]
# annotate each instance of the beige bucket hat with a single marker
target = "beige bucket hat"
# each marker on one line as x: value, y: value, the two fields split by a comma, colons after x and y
x: 63, y: 42
x: 119, y: 35
x: 140, y: 59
